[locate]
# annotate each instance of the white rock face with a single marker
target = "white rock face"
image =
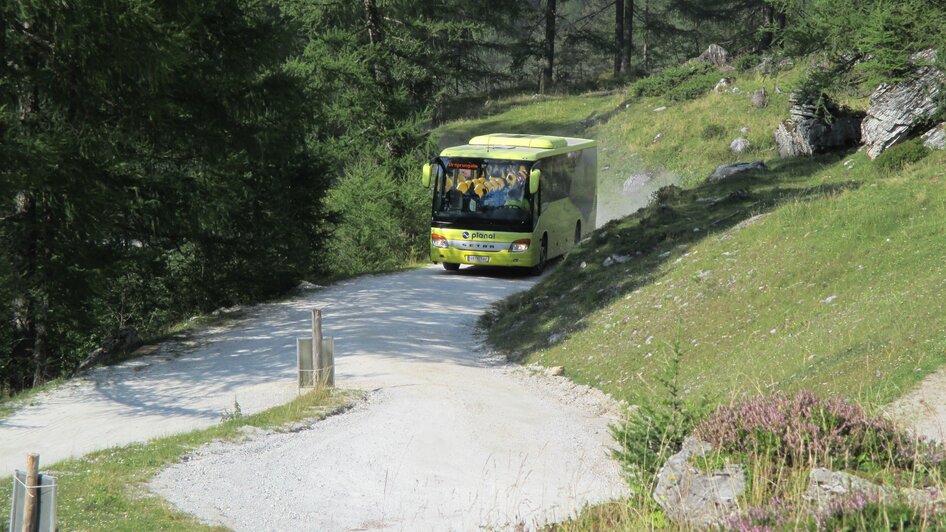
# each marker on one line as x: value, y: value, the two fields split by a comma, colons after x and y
x: 808, y: 133
x: 935, y: 139
x: 895, y: 109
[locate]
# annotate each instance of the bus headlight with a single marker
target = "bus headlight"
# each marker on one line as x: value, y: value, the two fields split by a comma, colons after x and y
x: 439, y: 241
x: 519, y: 246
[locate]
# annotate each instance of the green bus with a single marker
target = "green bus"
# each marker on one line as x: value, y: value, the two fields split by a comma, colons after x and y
x: 511, y: 200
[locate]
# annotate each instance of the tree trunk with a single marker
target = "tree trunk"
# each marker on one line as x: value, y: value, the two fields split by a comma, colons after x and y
x: 765, y: 41
x: 549, y: 67
x: 618, y: 37
x: 41, y: 344
x: 373, y: 20
x: 24, y: 266
x: 646, y: 22
x: 628, y: 35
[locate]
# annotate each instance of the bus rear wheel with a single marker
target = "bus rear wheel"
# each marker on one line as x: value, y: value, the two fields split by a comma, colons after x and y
x: 543, y: 257
x: 451, y: 266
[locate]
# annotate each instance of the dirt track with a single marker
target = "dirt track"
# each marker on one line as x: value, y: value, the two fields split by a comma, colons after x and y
x: 448, y: 440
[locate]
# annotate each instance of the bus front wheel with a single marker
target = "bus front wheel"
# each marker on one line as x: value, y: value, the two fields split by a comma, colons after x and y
x: 451, y: 266
x: 543, y: 257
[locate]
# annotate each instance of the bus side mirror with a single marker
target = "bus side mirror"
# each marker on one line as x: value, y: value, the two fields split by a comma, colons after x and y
x: 534, y: 181
x: 426, y: 177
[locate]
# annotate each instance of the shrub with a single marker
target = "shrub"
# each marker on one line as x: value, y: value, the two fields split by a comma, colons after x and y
x: 693, y: 87
x: 382, y: 219
x: 853, y: 512
x: 713, y: 131
x: 746, y: 62
x: 805, y: 430
x: 669, y: 79
x: 895, y: 158
x: 653, y: 432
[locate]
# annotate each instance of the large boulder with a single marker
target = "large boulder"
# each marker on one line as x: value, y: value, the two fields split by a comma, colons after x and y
x: 715, y: 55
x: 935, y: 139
x: 810, y: 131
x: 896, y: 109
x: 696, y: 499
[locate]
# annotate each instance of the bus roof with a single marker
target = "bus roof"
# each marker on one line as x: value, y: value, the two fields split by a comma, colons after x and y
x: 517, y: 147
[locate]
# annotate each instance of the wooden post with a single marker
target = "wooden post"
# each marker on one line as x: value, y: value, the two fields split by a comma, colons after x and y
x: 30, y: 514
x: 316, y: 337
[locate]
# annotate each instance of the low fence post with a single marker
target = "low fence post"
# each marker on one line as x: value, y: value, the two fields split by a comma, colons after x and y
x: 31, y: 502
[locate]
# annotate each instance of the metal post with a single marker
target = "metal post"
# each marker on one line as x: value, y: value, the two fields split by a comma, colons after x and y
x: 326, y: 363
x: 305, y: 362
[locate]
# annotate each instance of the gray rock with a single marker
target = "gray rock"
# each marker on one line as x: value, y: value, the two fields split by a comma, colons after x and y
x: 935, y: 139
x: 555, y: 338
x: 826, y: 487
x: 122, y: 341
x: 608, y: 262
x: 808, y: 132
x: 633, y: 184
x: 739, y: 145
x: 760, y: 98
x: 729, y: 170
x: 695, y: 499
x: 896, y: 109
x: 722, y: 85
x: 660, y: 109
x: 715, y: 55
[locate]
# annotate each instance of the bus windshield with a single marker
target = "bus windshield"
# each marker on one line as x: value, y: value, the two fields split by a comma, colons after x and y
x: 483, y: 192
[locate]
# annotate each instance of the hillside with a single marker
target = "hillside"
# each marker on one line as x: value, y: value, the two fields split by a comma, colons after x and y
x: 838, y: 288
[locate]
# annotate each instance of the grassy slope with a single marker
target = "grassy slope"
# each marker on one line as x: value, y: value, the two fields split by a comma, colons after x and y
x: 840, y: 289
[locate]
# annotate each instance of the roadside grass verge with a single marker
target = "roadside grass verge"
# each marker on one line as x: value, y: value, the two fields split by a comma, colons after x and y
x: 107, y: 490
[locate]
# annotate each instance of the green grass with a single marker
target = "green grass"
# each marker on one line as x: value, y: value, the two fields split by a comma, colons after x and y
x: 840, y: 289
x: 547, y: 115
x: 107, y: 490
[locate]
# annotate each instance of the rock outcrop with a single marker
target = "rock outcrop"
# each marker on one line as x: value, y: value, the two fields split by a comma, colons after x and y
x: 808, y: 131
x: 722, y: 85
x: 695, y: 499
x: 728, y: 170
x: 935, y: 139
x: 715, y: 55
x: 897, y: 109
x: 826, y: 487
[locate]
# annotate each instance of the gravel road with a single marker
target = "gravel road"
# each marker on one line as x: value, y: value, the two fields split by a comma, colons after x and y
x: 448, y: 439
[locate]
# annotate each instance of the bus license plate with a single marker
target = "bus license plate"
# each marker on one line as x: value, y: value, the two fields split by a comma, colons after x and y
x: 476, y: 258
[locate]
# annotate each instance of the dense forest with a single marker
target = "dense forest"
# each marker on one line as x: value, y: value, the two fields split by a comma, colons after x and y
x: 164, y: 158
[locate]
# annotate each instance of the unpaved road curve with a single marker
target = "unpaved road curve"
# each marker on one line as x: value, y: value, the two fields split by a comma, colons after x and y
x: 447, y: 441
